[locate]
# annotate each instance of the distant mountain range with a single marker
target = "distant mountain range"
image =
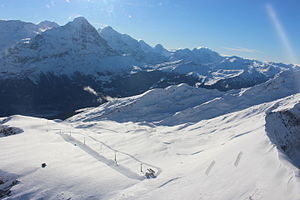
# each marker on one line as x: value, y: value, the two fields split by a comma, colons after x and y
x: 50, y: 70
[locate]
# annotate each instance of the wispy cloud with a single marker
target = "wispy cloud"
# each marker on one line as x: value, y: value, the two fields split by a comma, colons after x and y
x: 51, y: 4
x: 241, y: 49
x: 281, y: 32
x: 90, y: 90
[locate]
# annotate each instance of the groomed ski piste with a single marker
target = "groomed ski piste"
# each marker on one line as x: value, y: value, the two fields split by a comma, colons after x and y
x: 241, y: 151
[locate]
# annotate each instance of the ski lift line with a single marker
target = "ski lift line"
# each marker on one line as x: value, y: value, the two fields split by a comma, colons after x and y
x: 131, y: 156
x: 126, y: 154
x: 109, y: 162
x: 158, y: 170
x: 104, y: 144
x: 101, y: 143
x: 114, y: 150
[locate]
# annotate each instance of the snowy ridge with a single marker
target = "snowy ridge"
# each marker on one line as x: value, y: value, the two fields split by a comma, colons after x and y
x: 153, y: 105
x: 285, y: 84
x: 182, y: 103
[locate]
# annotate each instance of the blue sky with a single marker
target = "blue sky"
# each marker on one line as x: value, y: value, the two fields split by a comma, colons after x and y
x: 261, y: 29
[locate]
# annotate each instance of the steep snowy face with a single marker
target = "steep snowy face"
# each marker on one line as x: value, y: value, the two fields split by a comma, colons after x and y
x: 80, y: 36
x: 126, y: 45
x: 282, y: 126
x: 122, y: 43
x: 145, y: 47
x: 77, y: 46
x: 14, y: 31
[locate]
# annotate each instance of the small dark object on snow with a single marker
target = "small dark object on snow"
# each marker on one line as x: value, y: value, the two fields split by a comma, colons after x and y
x: 75, y: 145
x: 284, y: 148
x: 150, y: 173
x: 44, y: 165
x: 151, y: 170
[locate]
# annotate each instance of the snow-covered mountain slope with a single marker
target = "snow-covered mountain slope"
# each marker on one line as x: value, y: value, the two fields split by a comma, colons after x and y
x: 14, y: 31
x: 77, y: 46
x: 145, y: 47
x: 227, y: 157
x: 152, y: 106
x: 123, y: 43
x: 126, y: 45
x: 182, y: 103
x: 284, y: 85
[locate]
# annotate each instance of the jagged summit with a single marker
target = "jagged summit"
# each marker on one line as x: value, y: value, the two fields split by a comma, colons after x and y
x: 107, y: 29
x: 82, y: 25
x: 80, y: 21
x: 159, y: 46
x: 145, y: 47
x: 161, y: 50
x: 46, y: 25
